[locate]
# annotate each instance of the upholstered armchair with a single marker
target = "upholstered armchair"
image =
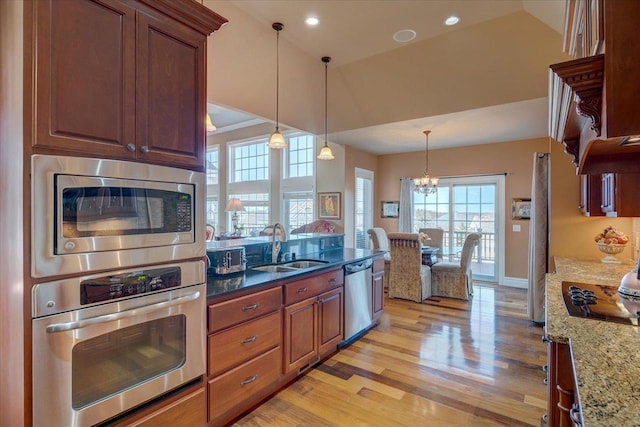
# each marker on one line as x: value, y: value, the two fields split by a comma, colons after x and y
x: 380, y: 241
x: 436, y: 235
x: 409, y: 279
x: 454, y: 279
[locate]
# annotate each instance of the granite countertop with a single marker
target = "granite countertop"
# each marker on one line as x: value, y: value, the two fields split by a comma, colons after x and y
x: 607, y: 373
x: 219, y: 286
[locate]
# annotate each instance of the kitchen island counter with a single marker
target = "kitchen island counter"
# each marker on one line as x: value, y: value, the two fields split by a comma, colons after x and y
x: 607, y: 374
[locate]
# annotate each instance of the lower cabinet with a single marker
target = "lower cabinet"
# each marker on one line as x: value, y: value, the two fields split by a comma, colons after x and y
x: 562, y: 405
x: 313, y: 319
x: 244, y: 353
x: 377, y: 284
x: 313, y: 328
x: 182, y: 408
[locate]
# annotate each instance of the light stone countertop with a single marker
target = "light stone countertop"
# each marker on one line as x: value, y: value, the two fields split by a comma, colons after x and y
x: 605, y: 354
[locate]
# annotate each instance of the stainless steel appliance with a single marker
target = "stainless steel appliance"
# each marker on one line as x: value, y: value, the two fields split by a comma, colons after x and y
x: 597, y: 302
x: 90, y: 214
x: 358, y: 300
x: 227, y: 261
x: 103, y: 344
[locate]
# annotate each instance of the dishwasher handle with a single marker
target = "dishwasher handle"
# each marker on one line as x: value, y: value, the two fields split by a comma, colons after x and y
x: 356, y: 267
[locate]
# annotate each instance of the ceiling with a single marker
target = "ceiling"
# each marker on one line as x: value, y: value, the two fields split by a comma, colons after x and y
x: 356, y: 30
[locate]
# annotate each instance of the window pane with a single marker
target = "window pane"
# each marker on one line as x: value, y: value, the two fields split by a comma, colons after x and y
x: 299, y: 156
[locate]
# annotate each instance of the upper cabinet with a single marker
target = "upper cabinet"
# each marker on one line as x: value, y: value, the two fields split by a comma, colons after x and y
x: 594, y: 97
x: 123, y: 80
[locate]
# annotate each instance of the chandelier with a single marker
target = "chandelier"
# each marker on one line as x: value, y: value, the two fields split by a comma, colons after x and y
x: 426, y: 184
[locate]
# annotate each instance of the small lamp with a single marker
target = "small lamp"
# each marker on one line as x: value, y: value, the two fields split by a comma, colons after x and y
x: 234, y: 205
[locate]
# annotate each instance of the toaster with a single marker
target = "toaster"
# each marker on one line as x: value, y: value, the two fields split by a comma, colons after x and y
x: 227, y: 261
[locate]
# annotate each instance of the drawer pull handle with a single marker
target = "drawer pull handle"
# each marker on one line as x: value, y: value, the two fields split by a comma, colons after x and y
x: 332, y: 280
x: 575, y: 416
x: 301, y: 290
x: 249, y: 380
x: 248, y: 340
x: 250, y: 307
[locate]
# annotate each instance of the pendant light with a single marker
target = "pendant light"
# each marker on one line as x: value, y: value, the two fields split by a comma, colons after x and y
x: 426, y: 184
x: 276, y: 140
x: 325, y: 152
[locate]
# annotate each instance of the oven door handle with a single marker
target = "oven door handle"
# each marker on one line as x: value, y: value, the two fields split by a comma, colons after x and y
x: 79, y: 324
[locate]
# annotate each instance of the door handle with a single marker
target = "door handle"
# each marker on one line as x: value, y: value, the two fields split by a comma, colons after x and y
x: 79, y: 324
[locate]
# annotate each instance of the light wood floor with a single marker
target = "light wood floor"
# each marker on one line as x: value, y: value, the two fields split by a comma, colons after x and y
x: 444, y: 362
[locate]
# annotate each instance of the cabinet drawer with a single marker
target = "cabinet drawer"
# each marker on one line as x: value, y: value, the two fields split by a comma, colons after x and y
x: 245, y: 308
x: 305, y: 288
x: 243, y: 342
x: 242, y: 383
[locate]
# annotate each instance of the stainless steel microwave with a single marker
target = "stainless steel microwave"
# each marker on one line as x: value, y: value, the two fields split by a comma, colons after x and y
x: 92, y: 214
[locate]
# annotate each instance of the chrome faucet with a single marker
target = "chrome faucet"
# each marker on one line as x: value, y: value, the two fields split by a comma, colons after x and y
x: 275, y: 245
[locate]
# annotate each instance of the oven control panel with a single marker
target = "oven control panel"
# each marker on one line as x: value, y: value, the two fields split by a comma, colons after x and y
x: 116, y: 286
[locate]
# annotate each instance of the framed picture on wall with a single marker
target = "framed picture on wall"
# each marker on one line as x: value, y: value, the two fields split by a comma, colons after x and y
x: 521, y: 208
x: 390, y: 209
x: 329, y: 205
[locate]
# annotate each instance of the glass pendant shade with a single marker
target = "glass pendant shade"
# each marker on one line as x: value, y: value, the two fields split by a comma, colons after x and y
x: 326, y: 153
x: 277, y: 141
x: 209, y: 123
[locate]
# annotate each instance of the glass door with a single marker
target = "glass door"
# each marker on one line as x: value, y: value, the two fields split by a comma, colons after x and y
x: 363, y: 215
x: 461, y: 206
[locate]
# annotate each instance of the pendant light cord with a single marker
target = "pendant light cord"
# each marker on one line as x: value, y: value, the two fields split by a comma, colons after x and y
x: 277, y: 77
x: 326, y: 115
x: 426, y: 153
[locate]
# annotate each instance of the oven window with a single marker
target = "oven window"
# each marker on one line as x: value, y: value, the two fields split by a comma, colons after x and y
x: 110, y: 363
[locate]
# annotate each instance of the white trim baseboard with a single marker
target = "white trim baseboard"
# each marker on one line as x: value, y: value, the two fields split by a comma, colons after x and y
x: 516, y: 282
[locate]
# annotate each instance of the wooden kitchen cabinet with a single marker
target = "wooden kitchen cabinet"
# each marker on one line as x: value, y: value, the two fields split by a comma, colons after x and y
x: 561, y: 385
x: 244, y: 353
x: 591, y: 195
x: 377, y: 284
x: 619, y: 195
x: 313, y: 319
x: 185, y: 407
x: 122, y: 80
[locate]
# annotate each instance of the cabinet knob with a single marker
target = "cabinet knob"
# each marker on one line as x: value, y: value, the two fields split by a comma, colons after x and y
x: 131, y: 147
x: 144, y: 149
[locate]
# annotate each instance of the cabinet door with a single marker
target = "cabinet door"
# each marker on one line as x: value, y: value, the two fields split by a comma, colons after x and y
x: 85, y: 77
x: 561, y: 384
x: 378, y: 294
x: 170, y: 87
x: 591, y: 195
x: 330, y: 320
x: 608, y: 193
x: 300, y: 334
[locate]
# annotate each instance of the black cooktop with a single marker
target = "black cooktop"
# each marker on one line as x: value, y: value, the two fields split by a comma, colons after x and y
x: 597, y: 302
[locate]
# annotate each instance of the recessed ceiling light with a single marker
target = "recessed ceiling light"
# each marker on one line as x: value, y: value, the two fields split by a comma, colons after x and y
x: 312, y: 20
x: 404, y: 36
x: 452, y: 20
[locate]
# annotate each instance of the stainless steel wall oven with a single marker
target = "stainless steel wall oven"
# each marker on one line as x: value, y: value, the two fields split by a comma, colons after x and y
x: 105, y: 343
x: 92, y: 214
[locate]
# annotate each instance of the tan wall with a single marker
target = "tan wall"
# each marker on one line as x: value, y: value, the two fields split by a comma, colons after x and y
x: 571, y: 233
x: 513, y: 158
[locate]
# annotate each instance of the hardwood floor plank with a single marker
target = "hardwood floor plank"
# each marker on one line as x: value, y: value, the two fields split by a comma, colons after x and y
x: 443, y: 362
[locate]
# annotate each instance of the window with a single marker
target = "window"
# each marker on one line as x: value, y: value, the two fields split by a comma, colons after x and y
x: 363, y: 218
x: 213, y: 185
x: 249, y: 182
x: 298, y: 182
x: 299, y: 156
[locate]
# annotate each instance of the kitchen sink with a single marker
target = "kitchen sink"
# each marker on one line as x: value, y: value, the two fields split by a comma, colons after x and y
x: 304, y: 263
x: 275, y: 268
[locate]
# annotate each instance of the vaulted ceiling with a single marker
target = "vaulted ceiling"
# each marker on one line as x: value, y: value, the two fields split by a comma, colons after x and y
x: 484, y: 80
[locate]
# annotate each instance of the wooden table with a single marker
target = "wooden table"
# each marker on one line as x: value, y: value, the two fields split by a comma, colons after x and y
x: 429, y: 255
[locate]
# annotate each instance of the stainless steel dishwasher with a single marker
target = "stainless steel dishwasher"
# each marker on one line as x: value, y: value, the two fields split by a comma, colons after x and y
x: 358, y: 300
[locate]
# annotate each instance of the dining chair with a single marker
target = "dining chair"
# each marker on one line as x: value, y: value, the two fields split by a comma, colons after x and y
x: 409, y: 278
x: 455, y: 279
x: 436, y: 235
